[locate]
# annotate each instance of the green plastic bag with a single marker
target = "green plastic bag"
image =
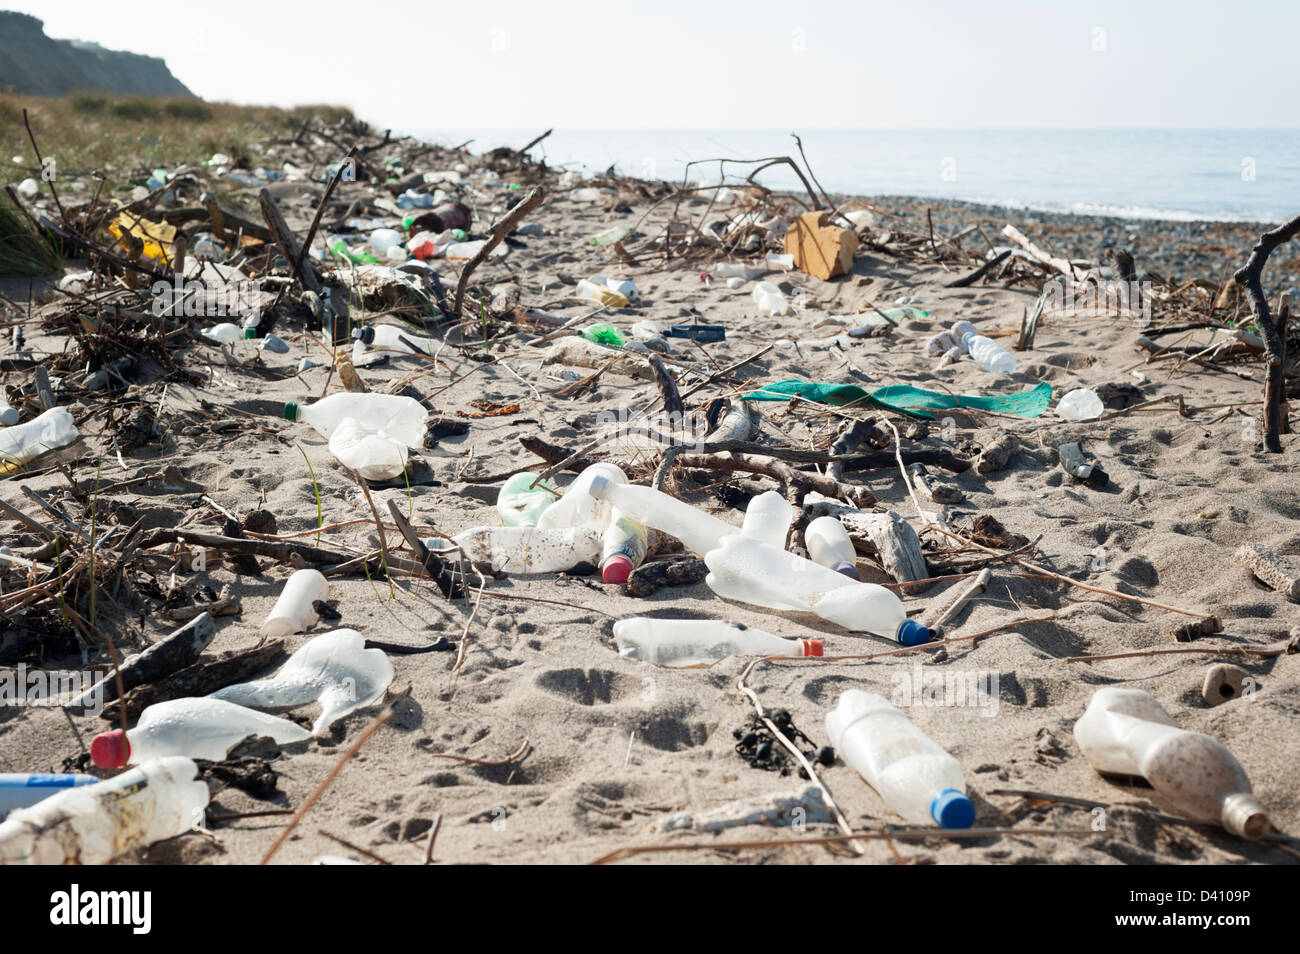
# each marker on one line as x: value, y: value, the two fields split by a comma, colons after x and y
x: 915, y: 402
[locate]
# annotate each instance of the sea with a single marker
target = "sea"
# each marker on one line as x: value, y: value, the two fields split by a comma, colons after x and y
x: 1245, y: 175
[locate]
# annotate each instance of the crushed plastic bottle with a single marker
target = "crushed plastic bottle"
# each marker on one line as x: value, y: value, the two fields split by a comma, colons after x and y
x: 623, y: 547
x: 198, y: 728
x: 530, y: 549
x: 989, y: 355
x: 520, y: 504
x: 389, y: 338
x: 753, y: 572
x: 1081, y: 404
x: 680, y: 643
x: 335, y: 669
x: 294, y: 611
x: 1128, y: 732
x: 770, y: 300
x: 25, y: 789
x: 45, y: 432
x: 578, y: 508
x: 372, y: 454
x: 732, y: 270
x: 767, y: 518
x: 395, y: 416
x: 381, y: 240
x: 93, y: 824
x: 829, y: 545
x: 911, y: 773
x: 697, y: 530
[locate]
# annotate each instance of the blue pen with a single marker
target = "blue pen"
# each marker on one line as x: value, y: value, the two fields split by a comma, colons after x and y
x: 24, y: 789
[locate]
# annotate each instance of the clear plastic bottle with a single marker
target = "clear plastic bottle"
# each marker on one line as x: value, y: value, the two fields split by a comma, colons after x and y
x: 754, y: 572
x: 829, y: 545
x: 373, y: 455
x: 770, y: 300
x: 600, y: 293
x: 697, y: 530
x: 530, y: 549
x: 335, y: 669
x: 389, y: 338
x: 381, y: 240
x: 731, y: 270
x: 578, y: 507
x: 24, y: 442
x: 25, y: 789
x: 93, y: 824
x: 623, y: 547
x: 610, y: 236
x: 394, y: 416
x: 767, y: 518
x: 911, y: 773
x: 1128, y: 732
x: 293, y: 611
x: 520, y: 504
x: 198, y: 728
x: 701, y: 642
x: 989, y: 355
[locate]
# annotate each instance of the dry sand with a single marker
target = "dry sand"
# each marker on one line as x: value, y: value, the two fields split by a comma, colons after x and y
x: 619, y: 745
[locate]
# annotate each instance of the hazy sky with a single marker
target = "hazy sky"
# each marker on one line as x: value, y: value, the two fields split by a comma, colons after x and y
x: 753, y: 65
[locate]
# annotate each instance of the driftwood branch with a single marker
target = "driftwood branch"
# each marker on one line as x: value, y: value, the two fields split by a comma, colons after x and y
x: 516, y: 215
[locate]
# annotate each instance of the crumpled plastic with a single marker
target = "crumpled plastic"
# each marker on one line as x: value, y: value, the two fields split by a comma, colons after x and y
x: 371, y: 454
x: 915, y: 402
x: 334, y: 669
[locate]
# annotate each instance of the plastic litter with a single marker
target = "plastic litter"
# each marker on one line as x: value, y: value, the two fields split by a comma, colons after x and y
x: 988, y: 354
x: 522, y: 504
x: 1081, y: 404
x: 25, y: 789
x: 770, y: 300
x: 697, y: 530
x: 395, y: 416
x: 527, y: 550
x: 623, y: 547
x: 829, y: 545
x: 683, y: 643
x: 23, y: 443
x: 767, y: 518
x: 806, y: 806
x: 293, y: 612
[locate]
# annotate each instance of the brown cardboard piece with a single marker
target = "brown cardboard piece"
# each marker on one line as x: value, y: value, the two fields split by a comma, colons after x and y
x: 820, y: 249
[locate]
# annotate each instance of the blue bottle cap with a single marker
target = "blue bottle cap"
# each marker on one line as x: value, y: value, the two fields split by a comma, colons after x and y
x: 952, y: 809
x: 912, y: 633
x: 847, y: 569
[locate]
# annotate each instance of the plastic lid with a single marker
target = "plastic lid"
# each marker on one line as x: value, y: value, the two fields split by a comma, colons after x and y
x: 616, y: 569
x: 912, y: 633
x: 291, y: 411
x: 364, y: 335
x: 599, y: 487
x: 848, y: 569
x: 110, y: 749
x: 250, y: 332
x: 811, y: 647
x: 952, y: 809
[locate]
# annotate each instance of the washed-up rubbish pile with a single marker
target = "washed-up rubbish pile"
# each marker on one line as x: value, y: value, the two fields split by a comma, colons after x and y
x: 326, y: 267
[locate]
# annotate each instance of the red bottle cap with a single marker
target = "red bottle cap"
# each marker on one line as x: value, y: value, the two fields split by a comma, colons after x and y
x: 110, y: 749
x: 616, y: 569
x: 812, y: 647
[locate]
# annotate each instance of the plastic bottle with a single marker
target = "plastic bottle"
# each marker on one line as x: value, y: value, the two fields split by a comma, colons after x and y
x: 389, y: 338
x: 623, y: 547
x: 912, y: 774
x: 751, y: 571
x: 767, y: 518
x: 395, y: 416
x: 989, y: 355
x: 829, y: 545
x: 340, y: 249
x: 227, y: 333
x: 463, y: 251
x: 293, y: 611
x: 770, y: 300
x: 1127, y: 732
x: 373, y: 455
x: 8, y: 414
x: 775, y: 260
x: 697, y: 530
x: 731, y: 270
x: 578, y: 508
x: 381, y: 240
x: 25, y: 789
x: 24, y: 442
x: 610, y: 236
x: 198, y: 728
x: 701, y: 642
x: 600, y: 294
x: 1081, y: 404
x: 335, y: 669
x: 93, y: 824
x: 530, y: 549
x: 520, y: 503
x: 606, y: 334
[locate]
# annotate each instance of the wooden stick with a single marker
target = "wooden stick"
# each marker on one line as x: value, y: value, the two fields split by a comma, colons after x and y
x: 517, y: 214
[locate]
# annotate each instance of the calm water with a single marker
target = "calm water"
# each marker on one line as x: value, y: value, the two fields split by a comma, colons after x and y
x: 1249, y: 175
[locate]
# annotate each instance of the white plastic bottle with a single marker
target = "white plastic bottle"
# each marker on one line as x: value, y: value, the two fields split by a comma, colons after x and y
x: 1127, y: 732
x: 381, y: 240
x: 577, y: 507
x: 530, y: 549
x: 198, y: 728
x: 767, y: 518
x: 25, y: 789
x: 989, y: 355
x: 24, y: 442
x: 293, y: 611
x: 335, y: 669
x: 911, y: 773
x: 93, y: 824
x: 226, y: 333
x: 389, y: 338
x: 701, y: 642
x: 8, y: 413
x: 623, y: 547
x: 697, y: 530
x: 730, y: 270
x: 392, y: 415
x: 829, y: 545
x: 754, y: 572
x: 373, y: 455
x: 770, y: 300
